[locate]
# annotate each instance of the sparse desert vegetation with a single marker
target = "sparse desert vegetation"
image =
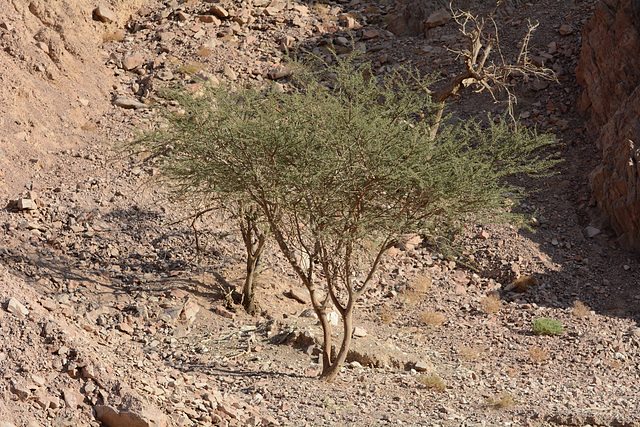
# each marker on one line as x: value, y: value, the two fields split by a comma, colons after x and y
x: 123, y: 298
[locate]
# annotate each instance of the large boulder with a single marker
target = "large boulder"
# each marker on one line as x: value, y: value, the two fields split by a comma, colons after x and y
x: 609, y: 70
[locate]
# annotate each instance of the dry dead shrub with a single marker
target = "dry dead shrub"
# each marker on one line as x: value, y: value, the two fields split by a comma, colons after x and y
x: 422, y: 283
x: 411, y: 297
x: 191, y: 68
x: 580, y: 310
x: 433, y: 381
x: 470, y: 353
x: 387, y: 315
x: 522, y: 284
x: 321, y: 9
x: 109, y: 36
x: 491, y: 304
x: 203, y: 51
x: 538, y: 355
x: 432, y: 318
x: 505, y: 401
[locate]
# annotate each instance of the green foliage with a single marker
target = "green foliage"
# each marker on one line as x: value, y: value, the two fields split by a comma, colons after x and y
x: 547, y: 327
x: 340, y: 166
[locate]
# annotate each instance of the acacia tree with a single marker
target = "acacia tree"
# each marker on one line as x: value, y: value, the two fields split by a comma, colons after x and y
x: 339, y: 167
x: 179, y: 146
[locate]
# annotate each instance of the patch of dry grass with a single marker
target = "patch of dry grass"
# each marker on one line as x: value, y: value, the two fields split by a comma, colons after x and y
x: 538, y: 355
x: 203, y: 52
x: 580, y: 310
x: 504, y: 401
x: 433, y: 381
x: 490, y: 304
x: 387, y: 315
x: 191, y: 68
x: 432, y: 318
x: 115, y: 35
x: 422, y: 283
x: 470, y: 353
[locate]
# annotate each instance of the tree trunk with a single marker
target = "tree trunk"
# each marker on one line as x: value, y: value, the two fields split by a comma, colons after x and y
x: 248, y: 294
x: 254, y: 250
x: 326, y: 344
x: 330, y: 372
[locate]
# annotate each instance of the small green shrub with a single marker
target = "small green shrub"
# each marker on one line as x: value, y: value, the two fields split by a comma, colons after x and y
x: 547, y: 327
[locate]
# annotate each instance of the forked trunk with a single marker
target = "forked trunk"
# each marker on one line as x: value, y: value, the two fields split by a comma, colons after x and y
x: 329, y: 373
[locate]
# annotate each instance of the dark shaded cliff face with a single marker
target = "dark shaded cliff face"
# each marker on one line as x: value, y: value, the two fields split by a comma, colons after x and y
x: 609, y: 71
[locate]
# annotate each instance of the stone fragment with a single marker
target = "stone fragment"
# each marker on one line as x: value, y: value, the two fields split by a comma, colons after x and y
x: 72, y: 397
x: 359, y: 332
x: 104, y: 14
x: 219, y: 11
x: 133, y: 61
x: 287, y: 42
x: 189, y: 311
x: 126, y: 328
x: 228, y: 71
x: 20, y: 390
x: 27, y: 204
x: 298, y: 295
x: 370, y: 34
x: 591, y: 231
x: 301, y: 9
x: 221, y: 311
x: 128, y: 103
x: 565, y: 30
x: 181, y: 16
x: 460, y: 277
x: 38, y: 380
x: 209, y: 19
x: 422, y: 366
x: 341, y: 41
x: 147, y: 417
x: 437, y: 18
x: 460, y: 290
x: 279, y: 72
x: 333, y: 318
x: 408, y: 242
x: 16, y: 308
x: 227, y: 409
x: 483, y: 235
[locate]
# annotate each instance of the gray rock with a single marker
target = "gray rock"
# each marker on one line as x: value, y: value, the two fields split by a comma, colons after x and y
x: 27, y: 204
x: 14, y: 307
x: 104, y: 14
x: 298, y: 295
x: 219, y: 11
x: 591, y: 231
x: 438, y: 18
x: 422, y: 366
x: 133, y: 61
x: 279, y: 72
x: 359, y: 332
x: 148, y: 417
x: 128, y: 103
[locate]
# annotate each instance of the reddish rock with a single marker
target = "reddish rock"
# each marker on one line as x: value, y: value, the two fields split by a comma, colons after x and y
x: 437, y: 18
x: 610, y: 59
x: 609, y: 71
x: 111, y: 417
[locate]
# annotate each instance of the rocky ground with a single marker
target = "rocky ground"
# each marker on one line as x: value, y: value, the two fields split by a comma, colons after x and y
x: 110, y: 314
